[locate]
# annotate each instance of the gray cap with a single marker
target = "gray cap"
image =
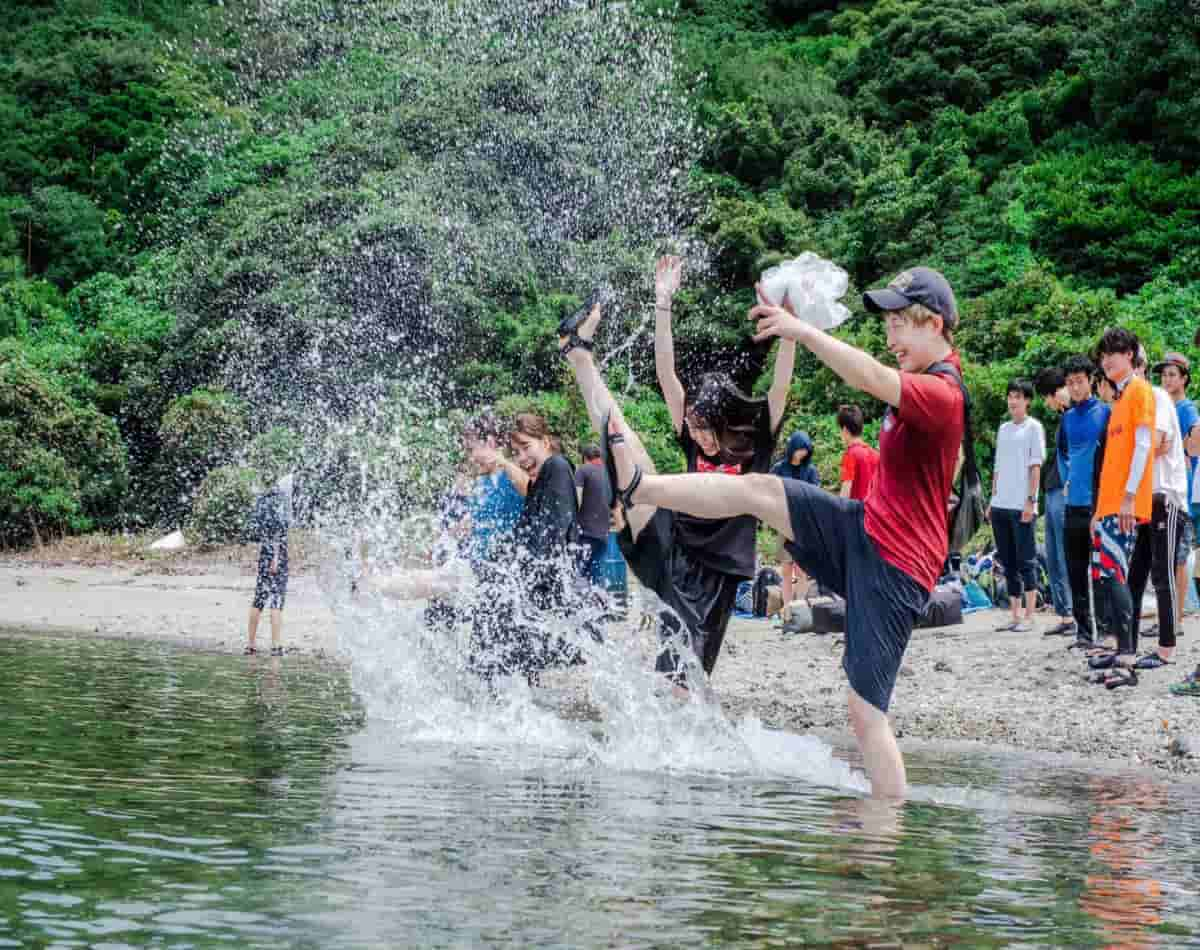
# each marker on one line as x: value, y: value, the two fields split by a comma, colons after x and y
x: 921, y: 285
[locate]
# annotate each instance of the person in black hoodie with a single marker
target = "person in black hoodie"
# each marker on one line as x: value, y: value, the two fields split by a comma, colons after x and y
x: 797, y: 464
x: 694, y: 565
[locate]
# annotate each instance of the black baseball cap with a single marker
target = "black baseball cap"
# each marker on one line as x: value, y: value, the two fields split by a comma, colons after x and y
x: 921, y: 285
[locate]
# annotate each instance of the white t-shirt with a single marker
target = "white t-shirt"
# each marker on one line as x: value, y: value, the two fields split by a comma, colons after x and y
x: 1170, y: 470
x: 1018, y: 447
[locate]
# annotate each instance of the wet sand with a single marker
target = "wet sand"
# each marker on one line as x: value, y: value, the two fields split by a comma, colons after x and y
x: 961, y: 683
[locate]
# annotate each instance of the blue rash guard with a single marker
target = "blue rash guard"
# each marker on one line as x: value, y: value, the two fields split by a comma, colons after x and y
x: 1082, y: 424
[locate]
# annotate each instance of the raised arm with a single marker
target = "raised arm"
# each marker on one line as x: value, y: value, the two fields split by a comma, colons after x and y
x: 667, y: 274
x: 853, y: 366
x: 781, y: 383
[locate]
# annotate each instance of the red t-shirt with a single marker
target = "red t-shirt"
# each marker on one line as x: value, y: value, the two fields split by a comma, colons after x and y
x: 859, y: 463
x: 906, y: 511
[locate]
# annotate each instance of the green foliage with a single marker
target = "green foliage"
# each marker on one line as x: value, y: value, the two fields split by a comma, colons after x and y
x: 275, y: 453
x: 210, y: 213
x: 64, y: 465
x: 223, y: 505
x: 203, y: 429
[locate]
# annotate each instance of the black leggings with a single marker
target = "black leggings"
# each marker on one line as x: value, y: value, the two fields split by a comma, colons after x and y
x: 1016, y: 549
x: 1154, y: 558
x: 1078, y: 545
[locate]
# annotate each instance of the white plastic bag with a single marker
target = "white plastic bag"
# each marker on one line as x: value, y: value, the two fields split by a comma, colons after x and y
x: 812, y: 286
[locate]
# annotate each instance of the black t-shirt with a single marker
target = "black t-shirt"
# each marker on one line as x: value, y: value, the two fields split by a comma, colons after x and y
x: 1051, y: 478
x: 550, y: 519
x: 725, y: 544
x: 593, y: 507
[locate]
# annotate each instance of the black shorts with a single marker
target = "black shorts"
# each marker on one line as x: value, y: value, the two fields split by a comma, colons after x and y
x: 882, y: 602
x: 699, y: 596
x: 271, y: 589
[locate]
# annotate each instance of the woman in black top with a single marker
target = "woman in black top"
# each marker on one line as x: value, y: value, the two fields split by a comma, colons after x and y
x: 540, y: 565
x: 693, y: 564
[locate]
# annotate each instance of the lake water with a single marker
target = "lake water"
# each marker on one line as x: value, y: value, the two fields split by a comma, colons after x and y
x: 150, y: 796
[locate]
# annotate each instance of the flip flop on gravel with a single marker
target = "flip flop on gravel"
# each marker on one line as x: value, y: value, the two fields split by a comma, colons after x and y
x: 1152, y: 661
x: 1121, y: 676
x: 1104, y: 661
x: 1189, y: 687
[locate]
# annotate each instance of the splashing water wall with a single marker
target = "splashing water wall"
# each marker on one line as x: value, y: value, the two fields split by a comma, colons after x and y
x: 435, y: 181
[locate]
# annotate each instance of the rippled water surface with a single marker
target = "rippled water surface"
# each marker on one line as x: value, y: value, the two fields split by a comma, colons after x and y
x: 155, y: 797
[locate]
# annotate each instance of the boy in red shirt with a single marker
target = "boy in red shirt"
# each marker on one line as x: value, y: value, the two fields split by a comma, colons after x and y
x: 859, y: 461
x: 883, y: 556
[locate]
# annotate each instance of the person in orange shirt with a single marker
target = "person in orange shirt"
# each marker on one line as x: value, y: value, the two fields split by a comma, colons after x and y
x: 1122, y: 503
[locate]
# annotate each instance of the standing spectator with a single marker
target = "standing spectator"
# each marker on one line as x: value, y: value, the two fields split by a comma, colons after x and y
x: 591, y: 481
x: 797, y: 464
x: 1020, y: 452
x: 1175, y: 371
x: 1082, y: 429
x: 1154, y: 550
x: 859, y: 461
x: 272, y: 519
x: 1123, y: 501
x: 1051, y: 385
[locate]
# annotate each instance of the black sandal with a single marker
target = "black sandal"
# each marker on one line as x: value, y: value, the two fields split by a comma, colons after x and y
x: 570, y: 324
x: 1121, y: 676
x: 250, y: 651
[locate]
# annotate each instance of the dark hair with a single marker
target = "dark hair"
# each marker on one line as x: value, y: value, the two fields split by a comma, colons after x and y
x: 1022, y: 387
x: 1118, y: 340
x: 590, y: 452
x: 1078, y: 364
x: 850, y: 418
x: 730, y: 413
x: 1049, y: 381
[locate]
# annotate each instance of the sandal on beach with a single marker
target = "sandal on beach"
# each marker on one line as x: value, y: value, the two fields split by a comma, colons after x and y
x: 1189, y: 687
x: 1103, y: 661
x: 250, y: 651
x: 1082, y: 645
x: 1121, y: 676
x: 1151, y: 661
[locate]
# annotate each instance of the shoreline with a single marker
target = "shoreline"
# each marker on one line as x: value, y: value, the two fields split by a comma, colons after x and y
x: 959, y: 687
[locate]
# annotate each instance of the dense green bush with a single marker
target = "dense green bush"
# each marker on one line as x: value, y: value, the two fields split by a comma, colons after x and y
x: 63, y: 465
x: 223, y: 503
x: 300, y: 214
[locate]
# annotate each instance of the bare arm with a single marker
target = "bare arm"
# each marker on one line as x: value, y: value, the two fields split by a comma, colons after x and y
x: 667, y: 274
x: 852, y: 365
x: 846, y: 487
x: 516, y: 475
x: 781, y: 383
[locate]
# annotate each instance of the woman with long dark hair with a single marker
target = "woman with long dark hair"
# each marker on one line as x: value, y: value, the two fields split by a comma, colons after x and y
x: 694, y: 565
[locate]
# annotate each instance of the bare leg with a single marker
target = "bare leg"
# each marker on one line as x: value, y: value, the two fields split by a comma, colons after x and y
x: 252, y: 631
x: 789, y: 593
x: 599, y: 401
x: 712, y: 496
x: 276, y: 627
x: 415, y: 585
x: 877, y: 743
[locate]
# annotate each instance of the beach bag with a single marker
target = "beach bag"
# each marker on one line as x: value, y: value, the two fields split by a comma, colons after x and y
x: 975, y: 597
x: 944, y: 608
x: 830, y: 617
x: 767, y: 577
x: 967, y: 508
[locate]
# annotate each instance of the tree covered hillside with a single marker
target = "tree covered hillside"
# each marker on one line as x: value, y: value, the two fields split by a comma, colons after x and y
x: 227, y: 229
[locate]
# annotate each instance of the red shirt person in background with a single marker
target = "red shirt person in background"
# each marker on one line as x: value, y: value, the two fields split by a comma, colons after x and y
x: 859, y: 461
